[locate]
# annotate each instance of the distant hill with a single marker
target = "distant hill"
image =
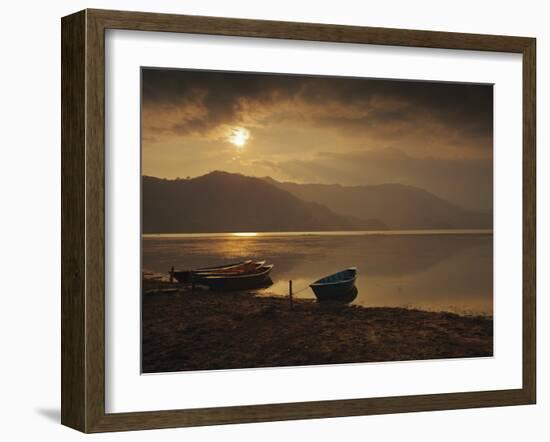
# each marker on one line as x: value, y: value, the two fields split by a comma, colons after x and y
x: 226, y: 202
x: 396, y: 205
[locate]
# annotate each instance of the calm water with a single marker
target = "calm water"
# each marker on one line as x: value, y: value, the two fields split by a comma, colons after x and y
x: 435, y: 270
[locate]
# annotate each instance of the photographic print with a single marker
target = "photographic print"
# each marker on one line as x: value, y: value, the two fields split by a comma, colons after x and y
x: 294, y: 220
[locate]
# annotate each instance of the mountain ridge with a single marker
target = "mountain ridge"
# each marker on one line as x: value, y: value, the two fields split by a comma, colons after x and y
x: 225, y: 202
x: 398, y: 206
x: 228, y: 202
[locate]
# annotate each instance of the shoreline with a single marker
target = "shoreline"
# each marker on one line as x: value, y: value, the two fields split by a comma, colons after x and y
x: 203, y: 330
x: 387, y: 232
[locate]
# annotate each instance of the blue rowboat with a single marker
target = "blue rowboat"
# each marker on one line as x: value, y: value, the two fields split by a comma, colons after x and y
x: 337, y: 286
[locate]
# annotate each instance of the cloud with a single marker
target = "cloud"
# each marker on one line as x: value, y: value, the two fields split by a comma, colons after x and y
x: 181, y: 102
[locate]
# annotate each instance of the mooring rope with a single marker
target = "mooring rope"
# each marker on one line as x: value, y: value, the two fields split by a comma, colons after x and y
x: 301, y: 290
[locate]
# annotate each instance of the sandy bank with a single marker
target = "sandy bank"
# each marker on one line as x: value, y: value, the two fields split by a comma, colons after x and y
x: 202, y: 331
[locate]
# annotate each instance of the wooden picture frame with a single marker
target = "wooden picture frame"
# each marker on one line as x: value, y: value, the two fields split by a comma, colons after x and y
x: 83, y: 220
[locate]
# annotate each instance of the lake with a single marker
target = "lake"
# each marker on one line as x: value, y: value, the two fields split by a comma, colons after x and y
x: 429, y: 270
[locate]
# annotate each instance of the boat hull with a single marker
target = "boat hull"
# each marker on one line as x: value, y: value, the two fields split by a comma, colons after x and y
x: 257, y: 280
x: 336, y: 292
x: 187, y: 276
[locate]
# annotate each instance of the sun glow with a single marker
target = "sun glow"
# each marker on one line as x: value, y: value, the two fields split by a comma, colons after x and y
x: 239, y: 136
x: 245, y: 234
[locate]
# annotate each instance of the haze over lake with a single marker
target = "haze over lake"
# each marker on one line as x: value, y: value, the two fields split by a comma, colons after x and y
x: 429, y: 270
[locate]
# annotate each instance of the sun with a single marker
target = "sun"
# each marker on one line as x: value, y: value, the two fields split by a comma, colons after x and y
x: 239, y: 136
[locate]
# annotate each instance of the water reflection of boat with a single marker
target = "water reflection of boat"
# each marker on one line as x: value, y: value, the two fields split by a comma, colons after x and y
x: 186, y: 276
x: 258, y: 278
x: 338, y: 286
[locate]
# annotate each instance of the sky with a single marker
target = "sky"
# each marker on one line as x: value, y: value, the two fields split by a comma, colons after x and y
x: 315, y: 129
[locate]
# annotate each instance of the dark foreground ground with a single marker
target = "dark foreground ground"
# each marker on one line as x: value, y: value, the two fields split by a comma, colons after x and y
x: 204, y: 331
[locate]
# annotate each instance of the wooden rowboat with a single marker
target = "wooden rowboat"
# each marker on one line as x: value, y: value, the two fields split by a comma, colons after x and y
x: 247, y: 267
x: 337, y: 286
x: 184, y: 276
x: 258, y: 278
